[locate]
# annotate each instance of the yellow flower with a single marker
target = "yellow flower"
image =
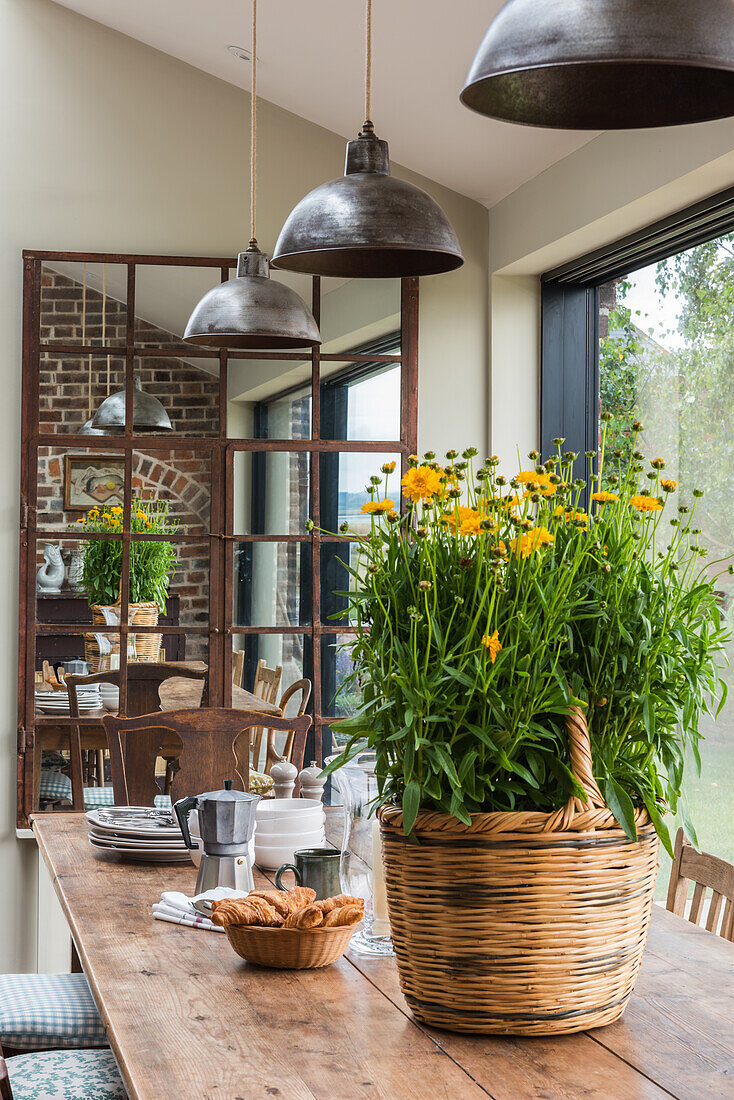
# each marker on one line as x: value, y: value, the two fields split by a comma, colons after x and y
x: 540, y: 483
x: 388, y: 467
x: 373, y: 506
x: 645, y: 504
x: 535, y: 539
x: 81, y: 520
x: 421, y: 483
x: 493, y: 644
x: 668, y: 485
x: 464, y: 520
x: 140, y: 514
x: 582, y: 517
x: 116, y: 510
x: 92, y: 513
x: 605, y: 498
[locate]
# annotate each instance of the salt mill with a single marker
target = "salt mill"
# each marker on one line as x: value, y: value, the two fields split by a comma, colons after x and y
x: 284, y: 775
x: 312, y: 783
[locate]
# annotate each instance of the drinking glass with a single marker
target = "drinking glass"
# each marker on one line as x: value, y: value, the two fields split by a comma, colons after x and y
x: 361, y: 870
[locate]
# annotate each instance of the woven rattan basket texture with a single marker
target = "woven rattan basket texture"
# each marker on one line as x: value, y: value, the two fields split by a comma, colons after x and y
x: 290, y: 948
x: 147, y: 646
x: 522, y: 923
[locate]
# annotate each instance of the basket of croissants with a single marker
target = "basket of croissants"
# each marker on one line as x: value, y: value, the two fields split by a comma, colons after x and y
x: 290, y: 930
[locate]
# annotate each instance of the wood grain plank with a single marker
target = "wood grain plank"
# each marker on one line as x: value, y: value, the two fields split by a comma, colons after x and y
x: 187, y: 1018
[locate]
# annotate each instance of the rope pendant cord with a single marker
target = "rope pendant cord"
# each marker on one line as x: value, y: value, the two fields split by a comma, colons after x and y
x: 104, y: 321
x: 253, y: 125
x: 84, y: 340
x: 368, y: 62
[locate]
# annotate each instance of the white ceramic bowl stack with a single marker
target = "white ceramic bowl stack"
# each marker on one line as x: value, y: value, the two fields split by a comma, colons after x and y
x: 110, y: 695
x: 283, y: 825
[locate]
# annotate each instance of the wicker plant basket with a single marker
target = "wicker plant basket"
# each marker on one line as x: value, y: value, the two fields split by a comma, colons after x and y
x: 290, y: 948
x: 522, y: 923
x: 147, y: 646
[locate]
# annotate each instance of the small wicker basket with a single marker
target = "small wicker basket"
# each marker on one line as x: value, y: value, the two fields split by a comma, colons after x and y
x: 290, y: 948
x: 521, y: 923
x: 147, y: 646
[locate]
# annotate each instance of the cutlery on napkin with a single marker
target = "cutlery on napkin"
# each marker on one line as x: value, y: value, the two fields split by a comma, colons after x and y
x: 177, y: 908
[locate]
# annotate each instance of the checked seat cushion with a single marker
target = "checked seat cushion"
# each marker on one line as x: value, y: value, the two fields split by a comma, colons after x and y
x: 48, y: 1010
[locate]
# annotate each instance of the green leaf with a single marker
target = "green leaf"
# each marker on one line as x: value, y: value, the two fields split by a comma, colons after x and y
x: 411, y: 805
x: 620, y: 803
x: 660, y: 827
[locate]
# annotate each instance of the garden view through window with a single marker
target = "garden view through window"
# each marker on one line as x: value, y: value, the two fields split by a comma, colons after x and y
x: 666, y: 358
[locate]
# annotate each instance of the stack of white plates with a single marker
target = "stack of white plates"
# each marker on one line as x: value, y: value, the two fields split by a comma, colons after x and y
x: 57, y: 702
x: 137, y: 832
x: 283, y: 825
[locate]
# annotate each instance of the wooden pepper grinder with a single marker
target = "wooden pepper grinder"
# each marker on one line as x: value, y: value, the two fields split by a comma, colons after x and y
x: 312, y: 784
x: 284, y: 777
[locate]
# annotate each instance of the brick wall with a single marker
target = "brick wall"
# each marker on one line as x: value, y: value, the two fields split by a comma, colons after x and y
x: 190, y: 397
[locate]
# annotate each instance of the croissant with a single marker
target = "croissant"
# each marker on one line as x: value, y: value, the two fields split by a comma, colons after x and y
x: 345, y: 915
x: 328, y: 904
x: 251, y: 911
x: 276, y: 898
x: 308, y: 917
x: 300, y: 897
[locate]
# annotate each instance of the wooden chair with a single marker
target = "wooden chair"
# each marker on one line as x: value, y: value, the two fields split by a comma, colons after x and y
x: 271, y: 753
x: 267, y: 682
x: 707, y: 872
x: 143, y: 683
x: 238, y: 667
x: 209, y: 751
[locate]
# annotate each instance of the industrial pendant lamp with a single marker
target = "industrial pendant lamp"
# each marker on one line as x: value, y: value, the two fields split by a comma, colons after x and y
x: 367, y: 224
x: 606, y: 64
x: 109, y: 419
x: 252, y: 311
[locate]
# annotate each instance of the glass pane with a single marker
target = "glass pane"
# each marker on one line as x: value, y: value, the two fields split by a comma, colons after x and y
x: 70, y: 483
x: 188, y: 391
x: 345, y: 481
x: 83, y: 303
x: 165, y: 296
x: 62, y: 596
x: 359, y: 402
x: 72, y: 388
x: 177, y: 482
x: 340, y: 698
x: 169, y: 582
x: 665, y: 359
x: 269, y: 398
x: 292, y: 654
x: 358, y: 312
x: 271, y: 492
x: 272, y: 582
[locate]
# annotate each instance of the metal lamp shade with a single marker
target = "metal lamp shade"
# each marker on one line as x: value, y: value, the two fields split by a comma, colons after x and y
x: 252, y: 311
x: 605, y: 64
x: 87, y: 429
x: 148, y: 413
x: 367, y: 224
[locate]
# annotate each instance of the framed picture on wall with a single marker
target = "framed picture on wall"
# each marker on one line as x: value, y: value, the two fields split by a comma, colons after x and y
x: 93, y: 479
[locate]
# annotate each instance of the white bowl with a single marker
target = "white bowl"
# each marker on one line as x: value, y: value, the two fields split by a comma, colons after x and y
x: 306, y: 838
x: 272, y: 856
x: 288, y: 815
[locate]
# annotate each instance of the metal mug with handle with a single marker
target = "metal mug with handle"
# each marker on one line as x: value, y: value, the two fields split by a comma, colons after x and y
x: 314, y: 867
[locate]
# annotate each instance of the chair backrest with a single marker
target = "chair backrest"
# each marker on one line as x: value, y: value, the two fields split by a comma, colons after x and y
x: 707, y: 872
x: 238, y: 667
x: 271, y: 753
x: 209, y: 752
x: 267, y: 682
x: 143, y: 683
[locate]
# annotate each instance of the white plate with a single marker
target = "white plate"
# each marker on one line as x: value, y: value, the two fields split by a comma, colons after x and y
x: 145, y: 856
x: 132, y: 842
x: 136, y: 821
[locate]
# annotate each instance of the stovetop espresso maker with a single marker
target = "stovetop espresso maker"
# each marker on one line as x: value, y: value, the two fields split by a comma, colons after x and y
x: 226, y: 824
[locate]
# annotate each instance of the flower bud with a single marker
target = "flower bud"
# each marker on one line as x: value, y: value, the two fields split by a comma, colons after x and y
x: 605, y: 416
x: 344, y: 527
x: 558, y: 441
x: 425, y: 586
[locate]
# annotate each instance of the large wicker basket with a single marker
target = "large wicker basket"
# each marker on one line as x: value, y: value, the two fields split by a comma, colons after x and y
x: 147, y: 646
x: 522, y: 923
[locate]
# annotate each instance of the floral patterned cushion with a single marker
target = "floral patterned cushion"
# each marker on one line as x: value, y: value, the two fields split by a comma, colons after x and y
x: 66, y: 1075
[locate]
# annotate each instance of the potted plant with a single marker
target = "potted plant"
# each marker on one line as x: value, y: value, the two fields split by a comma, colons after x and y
x: 534, y: 654
x: 152, y: 564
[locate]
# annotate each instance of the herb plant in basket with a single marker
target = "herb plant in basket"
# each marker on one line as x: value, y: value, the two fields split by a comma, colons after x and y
x: 534, y: 654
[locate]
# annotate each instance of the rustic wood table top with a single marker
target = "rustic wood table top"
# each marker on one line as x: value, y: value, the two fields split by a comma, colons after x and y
x: 187, y: 1018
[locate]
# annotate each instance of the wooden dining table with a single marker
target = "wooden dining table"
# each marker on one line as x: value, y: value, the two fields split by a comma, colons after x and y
x: 186, y: 1017
x: 176, y: 693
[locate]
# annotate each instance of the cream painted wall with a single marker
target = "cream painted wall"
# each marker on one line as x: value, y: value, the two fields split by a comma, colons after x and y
x: 616, y: 184
x: 108, y: 145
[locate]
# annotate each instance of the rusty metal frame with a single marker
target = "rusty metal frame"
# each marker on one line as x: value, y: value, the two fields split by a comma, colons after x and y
x: 220, y: 451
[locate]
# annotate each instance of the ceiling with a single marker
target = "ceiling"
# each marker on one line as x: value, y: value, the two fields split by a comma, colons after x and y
x: 310, y: 55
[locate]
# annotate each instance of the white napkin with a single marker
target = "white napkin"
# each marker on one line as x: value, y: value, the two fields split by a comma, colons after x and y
x: 177, y: 908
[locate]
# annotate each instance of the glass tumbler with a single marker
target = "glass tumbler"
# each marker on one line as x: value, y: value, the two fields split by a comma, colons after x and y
x: 361, y: 872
